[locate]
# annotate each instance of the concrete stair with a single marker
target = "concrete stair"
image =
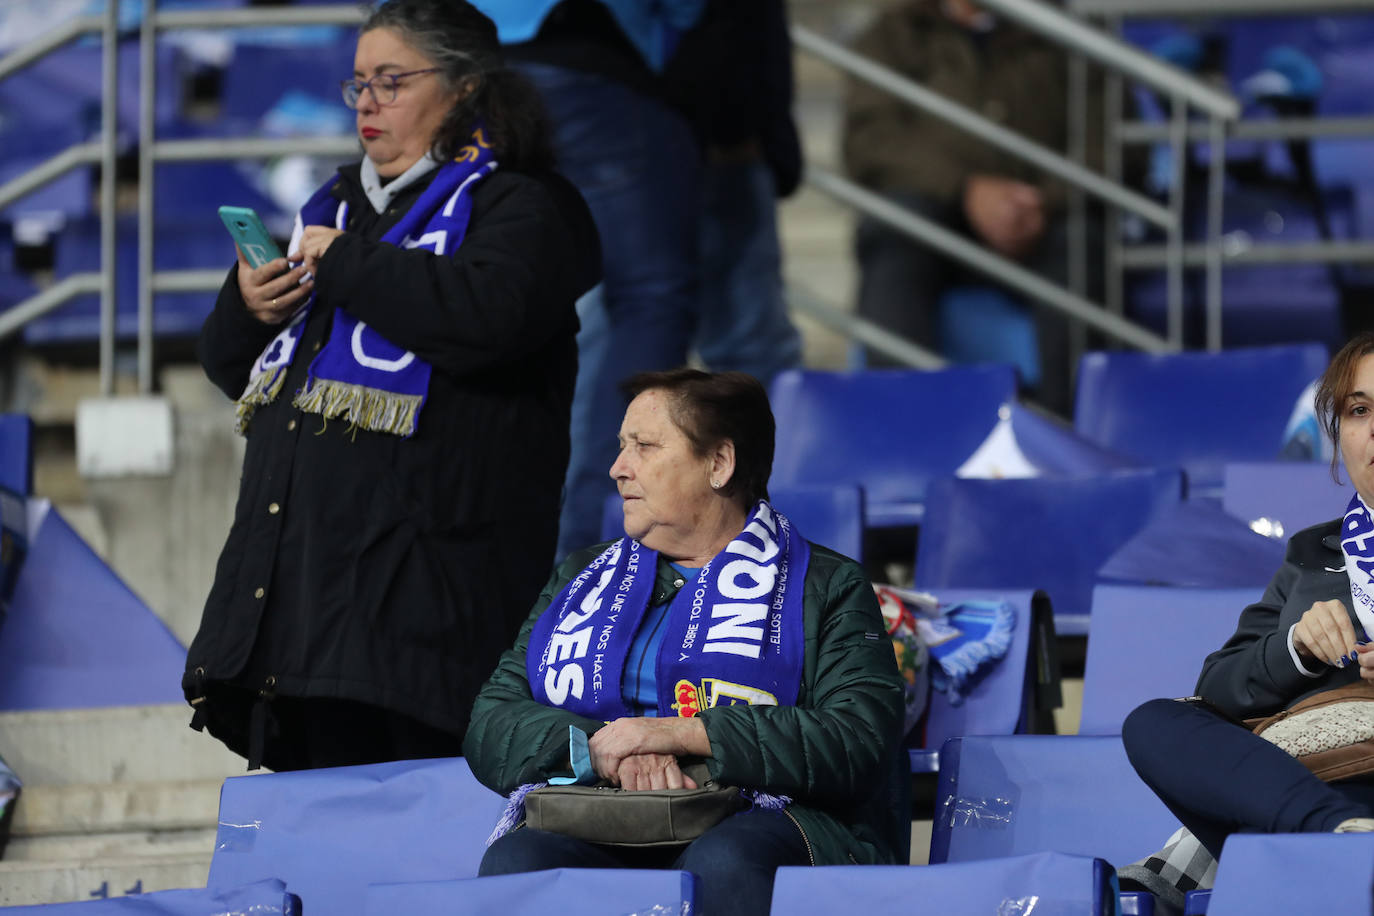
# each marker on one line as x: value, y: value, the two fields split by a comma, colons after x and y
x: 116, y: 800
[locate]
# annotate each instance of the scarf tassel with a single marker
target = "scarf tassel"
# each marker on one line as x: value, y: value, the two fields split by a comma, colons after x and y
x: 765, y: 801
x: 369, y: 408
x: 956, y: 667
x: 261, y: 390
x: 515, y: 811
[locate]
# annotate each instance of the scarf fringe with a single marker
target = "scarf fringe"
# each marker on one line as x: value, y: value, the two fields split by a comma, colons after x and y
x: 957, y: 666
x: 515, y: 811
x: 371, y: 409
x: 765, y: 801
x: 261, y: 390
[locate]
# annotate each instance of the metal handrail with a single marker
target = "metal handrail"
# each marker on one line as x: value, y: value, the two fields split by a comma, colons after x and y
x: 1253, y: 129
x: 984, y: 128
x: 249, y: 17
x: 219, y: 148
x: 981, y: 259
x: 873, y: 336
x: 1139, y: 257
x: 69, y: 31
x: 12, y: 319
x: 1213, y: 8
x: 1117, y: 55
x: 49, y: 170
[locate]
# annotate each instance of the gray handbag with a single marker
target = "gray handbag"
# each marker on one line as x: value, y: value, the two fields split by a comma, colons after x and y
x: 619, y: 817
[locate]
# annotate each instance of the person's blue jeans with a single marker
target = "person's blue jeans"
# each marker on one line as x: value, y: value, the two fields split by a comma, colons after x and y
x: 744, y: 321
x: 638, y: 165
x: 734, y: 861
x: 1218, y: 778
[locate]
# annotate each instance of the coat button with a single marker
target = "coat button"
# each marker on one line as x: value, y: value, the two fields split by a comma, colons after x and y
x: 315, y: 346
x: 291, y: 425
x: 274, y: 508
x: 259, y: 593
x: 678, y: 583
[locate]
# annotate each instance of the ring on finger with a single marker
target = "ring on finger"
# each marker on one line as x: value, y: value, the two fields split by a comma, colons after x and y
x: 274, y: 303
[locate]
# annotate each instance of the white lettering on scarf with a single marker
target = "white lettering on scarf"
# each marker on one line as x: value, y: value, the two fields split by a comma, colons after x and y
x: 377, y: 362
x: 1357, y: 528
x: 434, y: 241
x: 740, y: 630
x: 571, y: 640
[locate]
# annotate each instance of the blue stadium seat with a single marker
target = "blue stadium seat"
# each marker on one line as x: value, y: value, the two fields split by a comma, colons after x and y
x: 191, y: 193
x: 260, y: 73
x: 16, y: 453
x: 264, y: 898
x: 1075, y: 884
x: 890, y: 431
x: 1293, y: 494
x: 1263, y: 304
x: 571, y: 891
x: 1022, y: 794
x: 1150, y: 642
x: 77, y: 637
x: 830, y: 516
x: 330, y: 833
x: 16, y: 483
x: 1183, y: 408
x: 1002, y: 702
x: 1195, y: 544
x: 65, y: 86
x: 1036, y: 533
x: 195, y: 243
x: 1273, y: 874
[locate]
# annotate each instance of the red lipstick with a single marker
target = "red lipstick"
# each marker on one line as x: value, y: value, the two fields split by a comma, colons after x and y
x: 370, y: 133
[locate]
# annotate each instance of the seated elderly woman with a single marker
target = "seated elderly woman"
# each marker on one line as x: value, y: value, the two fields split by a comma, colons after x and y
x: 1305, y: 635
x: 729, y: 640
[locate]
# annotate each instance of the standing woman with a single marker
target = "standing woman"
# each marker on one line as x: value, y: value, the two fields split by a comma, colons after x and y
x: 405, y: 390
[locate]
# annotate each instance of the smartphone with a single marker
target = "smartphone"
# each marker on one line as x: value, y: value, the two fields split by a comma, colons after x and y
x: 250, y: 235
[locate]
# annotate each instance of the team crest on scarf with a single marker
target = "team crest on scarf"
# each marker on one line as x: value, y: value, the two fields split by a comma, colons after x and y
x: 1357, y: 543
x: 359, y: 375
x: 736, y: 636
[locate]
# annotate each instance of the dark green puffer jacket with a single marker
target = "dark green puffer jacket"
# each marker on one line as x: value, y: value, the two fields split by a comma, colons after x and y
x: 834, y: 752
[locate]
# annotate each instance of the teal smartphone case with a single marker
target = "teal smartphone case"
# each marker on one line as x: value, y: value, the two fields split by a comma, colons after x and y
x: 250, y: 235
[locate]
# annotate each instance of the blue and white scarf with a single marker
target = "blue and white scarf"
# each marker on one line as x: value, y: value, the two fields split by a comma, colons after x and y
x: 736, y: 637
x: 360, y: 375
x: 1357, y: 543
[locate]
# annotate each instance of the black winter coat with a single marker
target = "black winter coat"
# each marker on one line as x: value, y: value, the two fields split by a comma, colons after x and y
x: 1253, y: 674
x: 389, y: 571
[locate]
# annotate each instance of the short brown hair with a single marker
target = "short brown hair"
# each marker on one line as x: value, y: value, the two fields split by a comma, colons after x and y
x: 1335, y: 386
x: 710, y: 407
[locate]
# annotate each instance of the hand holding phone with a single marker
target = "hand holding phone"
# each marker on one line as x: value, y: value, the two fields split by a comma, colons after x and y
x: 250, y: 235
x: 270, y: 295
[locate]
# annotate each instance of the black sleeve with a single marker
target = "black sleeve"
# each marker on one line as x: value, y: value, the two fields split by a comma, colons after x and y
x: 232, y: 339
x: 502, y: 294
x: 1253, y: 673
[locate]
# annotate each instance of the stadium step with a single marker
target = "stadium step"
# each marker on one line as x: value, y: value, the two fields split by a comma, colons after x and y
x: 122, y: 745
x: 28, y: 883
x: 116, y: 800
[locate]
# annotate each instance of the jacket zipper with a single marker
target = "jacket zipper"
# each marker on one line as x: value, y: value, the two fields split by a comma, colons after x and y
x: 810, y: 854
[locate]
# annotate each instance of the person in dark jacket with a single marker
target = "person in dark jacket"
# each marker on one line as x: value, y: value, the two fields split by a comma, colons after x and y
x: 405, y: 387
x: 712, y: 632
x: 1309, y: 632
x: 1013, y: 77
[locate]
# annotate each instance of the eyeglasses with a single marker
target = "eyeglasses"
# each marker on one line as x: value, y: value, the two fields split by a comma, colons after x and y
x: 383, y: 87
